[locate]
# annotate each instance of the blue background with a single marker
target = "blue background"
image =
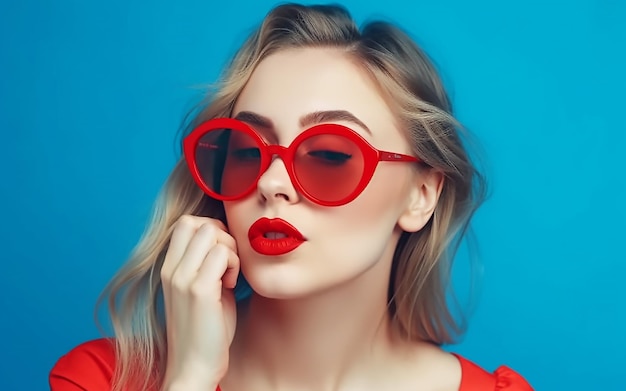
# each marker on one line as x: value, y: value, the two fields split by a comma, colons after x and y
x: 92, y: 93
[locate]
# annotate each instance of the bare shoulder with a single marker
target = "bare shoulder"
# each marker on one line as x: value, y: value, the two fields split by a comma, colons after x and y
x: 443, y: 369
x: 427, y: 367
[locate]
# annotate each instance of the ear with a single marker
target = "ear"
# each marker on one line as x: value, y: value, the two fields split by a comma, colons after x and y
x: 422, y: 199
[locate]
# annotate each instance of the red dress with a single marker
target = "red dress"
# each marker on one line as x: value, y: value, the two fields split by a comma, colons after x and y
x: 89, y: 367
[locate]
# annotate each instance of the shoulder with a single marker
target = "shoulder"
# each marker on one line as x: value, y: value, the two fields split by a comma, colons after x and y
x: 88, y: 366
x: 475, y: 378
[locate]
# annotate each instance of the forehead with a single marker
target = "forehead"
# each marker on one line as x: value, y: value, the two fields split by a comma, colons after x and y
x: 289, y: 84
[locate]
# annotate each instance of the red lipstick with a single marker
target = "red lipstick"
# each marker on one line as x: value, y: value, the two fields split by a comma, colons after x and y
x: 274, y: 236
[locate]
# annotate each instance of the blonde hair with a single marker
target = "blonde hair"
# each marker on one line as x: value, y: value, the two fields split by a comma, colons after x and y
x: 419, y: 309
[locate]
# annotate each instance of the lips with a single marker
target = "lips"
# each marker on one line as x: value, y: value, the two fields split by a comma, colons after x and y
x: 274, y: 237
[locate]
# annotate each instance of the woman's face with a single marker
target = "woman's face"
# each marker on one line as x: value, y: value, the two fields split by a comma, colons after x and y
x: 341, y: 243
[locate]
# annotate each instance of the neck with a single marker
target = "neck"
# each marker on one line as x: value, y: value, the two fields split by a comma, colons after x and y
x: 319, y: 340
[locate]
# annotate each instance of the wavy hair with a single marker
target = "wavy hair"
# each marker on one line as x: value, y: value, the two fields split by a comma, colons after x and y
x: 419, y: 308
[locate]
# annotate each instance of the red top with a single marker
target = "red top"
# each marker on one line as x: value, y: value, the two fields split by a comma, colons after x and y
x: 89, y: 367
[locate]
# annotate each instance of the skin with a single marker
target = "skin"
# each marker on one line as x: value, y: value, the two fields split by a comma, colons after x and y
x: 317, y: 319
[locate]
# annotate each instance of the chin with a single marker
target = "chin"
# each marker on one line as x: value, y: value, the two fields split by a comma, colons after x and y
x: 270, y: 282
x: 301, y: 275
x: 284, y: 280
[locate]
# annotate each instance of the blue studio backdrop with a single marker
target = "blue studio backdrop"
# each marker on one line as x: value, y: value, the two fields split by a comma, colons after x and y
x: 92, y: 93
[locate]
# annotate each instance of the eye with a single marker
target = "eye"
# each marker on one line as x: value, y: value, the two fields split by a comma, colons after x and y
x: 330, y: 157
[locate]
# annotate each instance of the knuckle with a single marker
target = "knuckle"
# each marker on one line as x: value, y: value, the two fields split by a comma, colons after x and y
x: 178, y: 284
x: 185, y: 220
x: 208, y: 228
x: 231, y: 244
x: 219, y: 224
x: 222, y: 249
x: 199, y: 290
x: 219, y: 251
x: 236, y: 259
x: 196, y: 290
x: 165, y: 276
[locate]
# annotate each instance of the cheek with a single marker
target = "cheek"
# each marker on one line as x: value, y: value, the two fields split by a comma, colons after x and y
x: 347, y: 236
x: 384, y: 197
x: 364, y: 228
x: 237, y: 223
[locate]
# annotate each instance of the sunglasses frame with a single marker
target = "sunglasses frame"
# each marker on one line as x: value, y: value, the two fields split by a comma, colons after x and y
x: 371, y: 156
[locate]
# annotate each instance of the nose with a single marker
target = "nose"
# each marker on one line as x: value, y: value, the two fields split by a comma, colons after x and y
x: 275, y: 184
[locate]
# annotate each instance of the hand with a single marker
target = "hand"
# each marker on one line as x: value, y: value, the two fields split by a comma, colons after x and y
x: 199, y: 273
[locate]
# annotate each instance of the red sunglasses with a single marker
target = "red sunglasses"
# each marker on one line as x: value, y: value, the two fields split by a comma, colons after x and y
x: 329, y: 164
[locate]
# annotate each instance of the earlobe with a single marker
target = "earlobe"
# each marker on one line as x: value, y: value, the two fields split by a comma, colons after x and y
x: 422, y: 200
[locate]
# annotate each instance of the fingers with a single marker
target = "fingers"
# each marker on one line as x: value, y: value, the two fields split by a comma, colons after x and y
x: 204, y: 239
x: 193, y: 239
x: 226, y: 239
x: 198, y: 273
x: 221, y: 266
x: 184, y: 229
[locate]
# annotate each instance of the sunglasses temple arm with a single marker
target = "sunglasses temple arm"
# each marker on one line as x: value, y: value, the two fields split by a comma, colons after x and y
x: 396, y: 157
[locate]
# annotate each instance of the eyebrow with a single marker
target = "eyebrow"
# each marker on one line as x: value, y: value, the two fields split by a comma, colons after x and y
x: 307, y: 120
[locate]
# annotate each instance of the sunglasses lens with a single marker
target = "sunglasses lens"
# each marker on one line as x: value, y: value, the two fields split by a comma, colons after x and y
x: 229, y: 161
x: 329, y: 166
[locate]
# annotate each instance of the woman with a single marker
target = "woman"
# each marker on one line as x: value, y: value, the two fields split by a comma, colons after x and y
x: 329, y: 168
